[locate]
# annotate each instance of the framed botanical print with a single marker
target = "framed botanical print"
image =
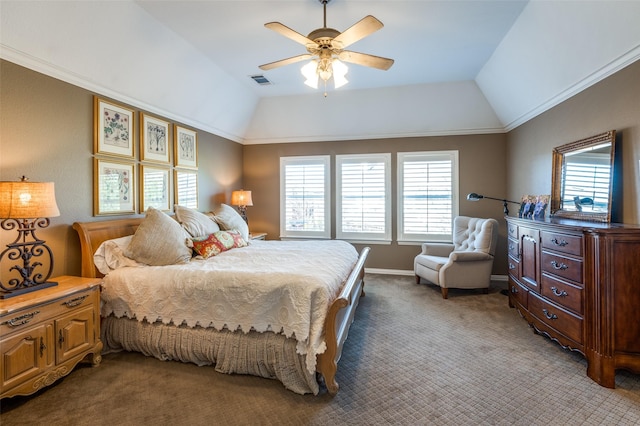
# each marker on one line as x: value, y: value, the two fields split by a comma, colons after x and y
x: 114, y: 187
x: 186, y: 188
x: 154, y: 139
x: 113, y: 129
x: 186, y: 148
x: 155, y: 188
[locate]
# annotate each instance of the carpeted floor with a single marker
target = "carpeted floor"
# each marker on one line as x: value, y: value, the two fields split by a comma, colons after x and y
x: 411, y: 358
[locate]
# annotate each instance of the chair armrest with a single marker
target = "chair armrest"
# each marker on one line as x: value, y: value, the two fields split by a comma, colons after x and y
x: 469, y: 256
x: 437, y: 249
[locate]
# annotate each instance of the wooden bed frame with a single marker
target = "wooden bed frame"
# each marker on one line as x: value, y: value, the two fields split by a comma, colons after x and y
x: 336, y: 326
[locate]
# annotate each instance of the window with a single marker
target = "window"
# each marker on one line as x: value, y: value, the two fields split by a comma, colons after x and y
x: 427, y: 195
x: 363, y: 197
x: 304, y: 197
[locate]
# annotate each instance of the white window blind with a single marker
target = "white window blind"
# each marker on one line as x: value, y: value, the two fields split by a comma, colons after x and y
x: 304, y: 197
x: 363, y: 197
x: 427, y: 195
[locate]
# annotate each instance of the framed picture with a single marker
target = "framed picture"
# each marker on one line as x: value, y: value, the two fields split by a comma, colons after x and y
x: 155, y: 188
x: 154, y: 139
x: 114, y: 187
x: 186, y: 188
x: 534, y: 206
x: 113, y: 129
x: 186, y: 148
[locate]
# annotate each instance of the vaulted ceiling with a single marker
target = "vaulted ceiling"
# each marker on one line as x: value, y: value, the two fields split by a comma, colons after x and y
x: 461, y: 67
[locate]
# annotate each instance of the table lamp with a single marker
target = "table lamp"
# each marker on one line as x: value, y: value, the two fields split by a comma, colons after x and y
x: 242, y: 199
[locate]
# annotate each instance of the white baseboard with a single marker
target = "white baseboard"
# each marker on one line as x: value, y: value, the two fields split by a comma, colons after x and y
x: 410, y: 273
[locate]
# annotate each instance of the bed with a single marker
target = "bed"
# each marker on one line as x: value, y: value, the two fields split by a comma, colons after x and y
x: 304, y: 360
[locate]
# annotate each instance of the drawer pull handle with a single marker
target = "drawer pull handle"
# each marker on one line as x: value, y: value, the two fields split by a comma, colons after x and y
x: 514, y: 290
x: 559, y: 293
x: 548, y: 315
x: 559, y: 266
x: 43, y: 347
x: 560, y: 243
x: 512, y: 266
x: 21, y: 320
x: 511, y: 246
x: 75, y: 302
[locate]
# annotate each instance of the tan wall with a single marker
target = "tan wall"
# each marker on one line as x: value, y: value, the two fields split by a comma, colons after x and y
x: 612, y: 104
x: 46, y: 133
x: 482, y: 159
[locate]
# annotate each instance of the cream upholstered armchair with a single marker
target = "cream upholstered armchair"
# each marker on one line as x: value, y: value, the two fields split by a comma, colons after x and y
x: 466, y: 263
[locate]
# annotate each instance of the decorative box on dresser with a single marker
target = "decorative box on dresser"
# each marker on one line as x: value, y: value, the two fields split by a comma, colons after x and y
x: 46, y: 333
x: 578, y: 283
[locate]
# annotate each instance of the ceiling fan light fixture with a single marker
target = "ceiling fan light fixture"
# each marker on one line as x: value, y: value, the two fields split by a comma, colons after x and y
x: 339, y: 72
x: 310, y: 72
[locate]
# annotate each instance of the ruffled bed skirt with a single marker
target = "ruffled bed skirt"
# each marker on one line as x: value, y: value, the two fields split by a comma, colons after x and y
x: 268, y: 355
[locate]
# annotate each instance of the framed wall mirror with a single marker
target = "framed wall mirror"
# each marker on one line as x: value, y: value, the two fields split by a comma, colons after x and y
x: 582, y: 178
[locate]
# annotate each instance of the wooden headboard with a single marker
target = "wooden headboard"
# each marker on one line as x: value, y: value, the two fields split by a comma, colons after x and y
x: 92, y: 234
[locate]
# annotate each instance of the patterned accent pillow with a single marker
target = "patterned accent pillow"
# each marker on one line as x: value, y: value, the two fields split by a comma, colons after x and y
x: 218, y: 242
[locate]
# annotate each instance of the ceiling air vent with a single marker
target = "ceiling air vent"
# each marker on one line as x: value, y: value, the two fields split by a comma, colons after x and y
x: 261, y: 80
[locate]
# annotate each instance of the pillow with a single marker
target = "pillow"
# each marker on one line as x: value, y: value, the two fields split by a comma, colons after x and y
x: 158, y: 241
x: 195, y: 223
x: 218, y: 242
x: 110, y: 255
x: 228, y: 219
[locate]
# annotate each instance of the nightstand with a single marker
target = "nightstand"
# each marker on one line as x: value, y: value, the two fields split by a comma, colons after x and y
x: 257, y: 235
x: 46, y: 333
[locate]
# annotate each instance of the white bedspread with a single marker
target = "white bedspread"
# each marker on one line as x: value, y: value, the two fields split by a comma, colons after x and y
x: 279, y: 286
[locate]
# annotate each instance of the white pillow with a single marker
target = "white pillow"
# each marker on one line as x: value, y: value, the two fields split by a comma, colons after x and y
x: 110, y: 255
x: 159, y: 240
x: 228, y: 219
x: 195, y: 223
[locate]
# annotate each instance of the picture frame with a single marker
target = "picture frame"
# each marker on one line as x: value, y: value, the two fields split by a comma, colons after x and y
x: 155, y: 188
x: 114, y: 187
x: 154, y: 139
x: 113, y: 129
x: 534, y: 206
x: 186, y: 188
x: 185, y: 147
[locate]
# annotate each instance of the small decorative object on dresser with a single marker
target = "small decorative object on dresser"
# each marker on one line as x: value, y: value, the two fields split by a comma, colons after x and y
x: 44, y: 334
x: 577, y: 283
x: 258, y: 235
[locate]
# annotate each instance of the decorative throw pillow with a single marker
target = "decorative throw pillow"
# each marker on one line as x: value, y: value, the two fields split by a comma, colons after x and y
x: 158, y: 241
x: 218, y: 242
x: 195, y: 223
x: 229, y: 219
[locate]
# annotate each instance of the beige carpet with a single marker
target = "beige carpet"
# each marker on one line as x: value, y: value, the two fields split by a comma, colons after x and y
x: 411, y: 358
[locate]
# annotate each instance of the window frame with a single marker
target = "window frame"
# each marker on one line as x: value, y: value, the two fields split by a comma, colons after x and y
x: 325, y: 160
x: 365, y: 237
x: 402, y: 158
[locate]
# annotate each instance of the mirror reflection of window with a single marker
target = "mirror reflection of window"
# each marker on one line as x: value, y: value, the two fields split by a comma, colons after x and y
x: 586, y: 179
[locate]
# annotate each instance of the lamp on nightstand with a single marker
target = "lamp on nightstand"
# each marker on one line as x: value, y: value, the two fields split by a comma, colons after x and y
x: 24, y: 206
x: 242, y: 199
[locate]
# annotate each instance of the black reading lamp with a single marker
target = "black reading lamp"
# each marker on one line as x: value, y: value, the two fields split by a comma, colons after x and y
x: 476, y: 197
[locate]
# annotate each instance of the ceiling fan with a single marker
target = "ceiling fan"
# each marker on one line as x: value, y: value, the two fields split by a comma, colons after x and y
x: 325, y: 47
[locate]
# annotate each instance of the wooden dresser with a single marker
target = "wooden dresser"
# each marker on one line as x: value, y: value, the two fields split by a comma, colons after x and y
x: 45, y: 333
x: 578, y: 283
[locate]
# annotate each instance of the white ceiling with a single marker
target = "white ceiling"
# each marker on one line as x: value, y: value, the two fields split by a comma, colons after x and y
x: 461, y: 67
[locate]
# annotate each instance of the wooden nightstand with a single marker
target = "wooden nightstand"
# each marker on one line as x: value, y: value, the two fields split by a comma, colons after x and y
x: 45, y: 333
x: 257, y: 235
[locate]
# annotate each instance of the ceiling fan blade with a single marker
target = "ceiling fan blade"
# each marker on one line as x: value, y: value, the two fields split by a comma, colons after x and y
x: 357, y: 31
x: 287, y: 61
x: 366, y: 60
x: 289, y: 33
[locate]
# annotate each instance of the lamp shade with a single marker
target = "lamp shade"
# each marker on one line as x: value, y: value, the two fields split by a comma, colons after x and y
x: 241, y: 198
x: 27, y: 200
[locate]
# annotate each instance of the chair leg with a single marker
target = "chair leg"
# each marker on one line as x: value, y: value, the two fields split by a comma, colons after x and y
x: 445, y: 292
x: 417, y: 279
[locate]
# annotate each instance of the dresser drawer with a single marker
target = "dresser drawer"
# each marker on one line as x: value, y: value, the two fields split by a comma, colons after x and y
x: 513, y: 248
x: 512, y: 231
x: 562, y: 293
x: 561, y: 266
x: 570, y: 325
x: 563, y: 243
x: 518, y: 293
